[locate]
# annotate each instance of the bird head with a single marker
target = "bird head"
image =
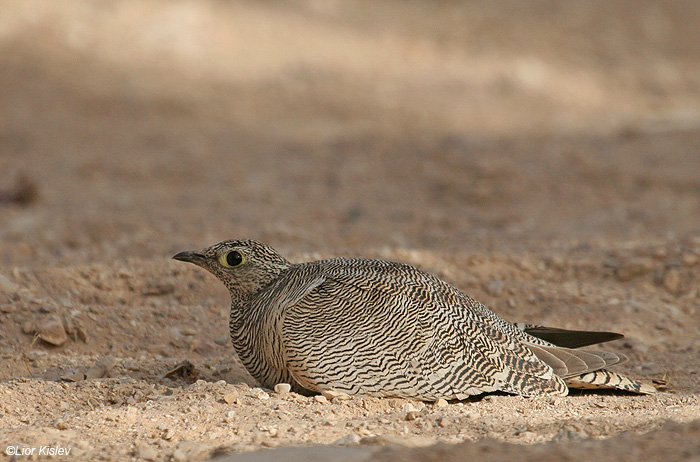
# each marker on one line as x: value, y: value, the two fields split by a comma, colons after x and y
x: 244, y: 266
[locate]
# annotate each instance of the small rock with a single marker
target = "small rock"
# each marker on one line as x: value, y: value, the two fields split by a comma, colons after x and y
x: 634, y: 268
x: 60, y: 424
x: 320, y: 399
x: 412, y: 415
x: 409, y: 407
x: 204, y: 348
x: 396, y: 440
x: 146, y: 452
x: 335, y: 394
x: 7, y: 309
x: 443, y: 422
x: 68, y: 325
x: 567, y: 435
x: 259, y: 394
x: 672, y: 280
x: 28, y: 327
x: 689, y: 259
x: 440, y: 403
x: 230, y: 415
x: 7, y: 286
x: 222, y: 340
x: 494, y: 287
x: 348, y: 440
x: 283, y: 388
x: 158, y: 288
x: 168, y: 434
x: 81, y: 334
x: 52, y: 331
x: 73, y: 377
x: 232, y: 398
x: 100, y: 369
x: 190, y: 450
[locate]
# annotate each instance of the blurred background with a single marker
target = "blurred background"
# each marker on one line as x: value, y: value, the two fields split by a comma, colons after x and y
x: 144, y: 127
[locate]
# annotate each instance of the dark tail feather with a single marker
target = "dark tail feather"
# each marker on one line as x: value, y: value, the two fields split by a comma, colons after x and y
x: 568, y: 338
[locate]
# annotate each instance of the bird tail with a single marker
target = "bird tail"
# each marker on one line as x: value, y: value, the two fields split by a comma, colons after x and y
x: 602, y: 378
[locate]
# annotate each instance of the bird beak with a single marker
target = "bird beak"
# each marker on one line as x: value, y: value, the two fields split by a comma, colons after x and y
x: 191, y: 257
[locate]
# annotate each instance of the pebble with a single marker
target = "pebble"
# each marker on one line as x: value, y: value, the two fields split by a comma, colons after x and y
x: 204, y: 348
x: 336, y: 395
x: 259, y: 394
x: 283, y: 388
x: 689, y: 259
x: 441, y: 403
x: 634, y: 268
x: 494, y: 287
x: 100, y: 369
x: 232, y: 398
x: 8, y: 308
x: 60, y: 424
x: 409, y: 407
x: 28, y: 327
x: 7, y: 286
x: 348, y: 440
x: 412, y: 415
x: 443, y: 422
x: 52, y: 331
x: 320, y: 399
x: 396, y: 440
x: 672, y: 280
x: 146, y: 452
x: 190, y: 450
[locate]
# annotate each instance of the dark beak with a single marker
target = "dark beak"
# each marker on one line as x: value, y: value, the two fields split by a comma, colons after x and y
x: 190, y: 257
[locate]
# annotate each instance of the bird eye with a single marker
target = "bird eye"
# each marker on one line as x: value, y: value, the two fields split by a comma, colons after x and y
x: 232, y: 259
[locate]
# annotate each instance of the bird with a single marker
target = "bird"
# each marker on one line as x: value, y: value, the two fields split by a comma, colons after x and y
x: 385, y: 329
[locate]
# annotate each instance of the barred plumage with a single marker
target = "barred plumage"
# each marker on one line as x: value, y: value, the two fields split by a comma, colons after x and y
x: 388, y: 329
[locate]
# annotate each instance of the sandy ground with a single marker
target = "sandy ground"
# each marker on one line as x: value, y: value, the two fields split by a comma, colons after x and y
x: 541, y: 156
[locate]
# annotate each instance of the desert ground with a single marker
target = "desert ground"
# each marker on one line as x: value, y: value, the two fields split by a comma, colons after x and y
x: 542, y: 156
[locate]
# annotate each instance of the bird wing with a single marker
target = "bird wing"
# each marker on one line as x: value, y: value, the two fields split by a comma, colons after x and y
x: 388, y: 329
x: 568, y: 338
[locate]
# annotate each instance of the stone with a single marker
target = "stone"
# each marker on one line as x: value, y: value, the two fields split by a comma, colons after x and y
x: 232, y: 398
x: 320, y: 399
x: 28, y: 327
x: 412, y: 415
x: 689, y: 259
x: 259, y: 394
x: 493, y: 287
x: 348, y: 440
x: 336, y: 395
x: 100, y: 369
x: 409, y: 407
x: 7, y: 286
x: 634, y: 268
x: 441, y: 403
x: 283, y: 388
x: 52, y: 331
x: 672, y: 280
x: 146, y: 453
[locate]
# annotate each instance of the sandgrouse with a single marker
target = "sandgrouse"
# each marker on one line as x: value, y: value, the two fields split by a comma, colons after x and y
x: 380, y: 328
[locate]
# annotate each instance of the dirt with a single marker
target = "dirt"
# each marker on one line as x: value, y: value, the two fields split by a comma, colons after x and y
x: 540, y: 156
